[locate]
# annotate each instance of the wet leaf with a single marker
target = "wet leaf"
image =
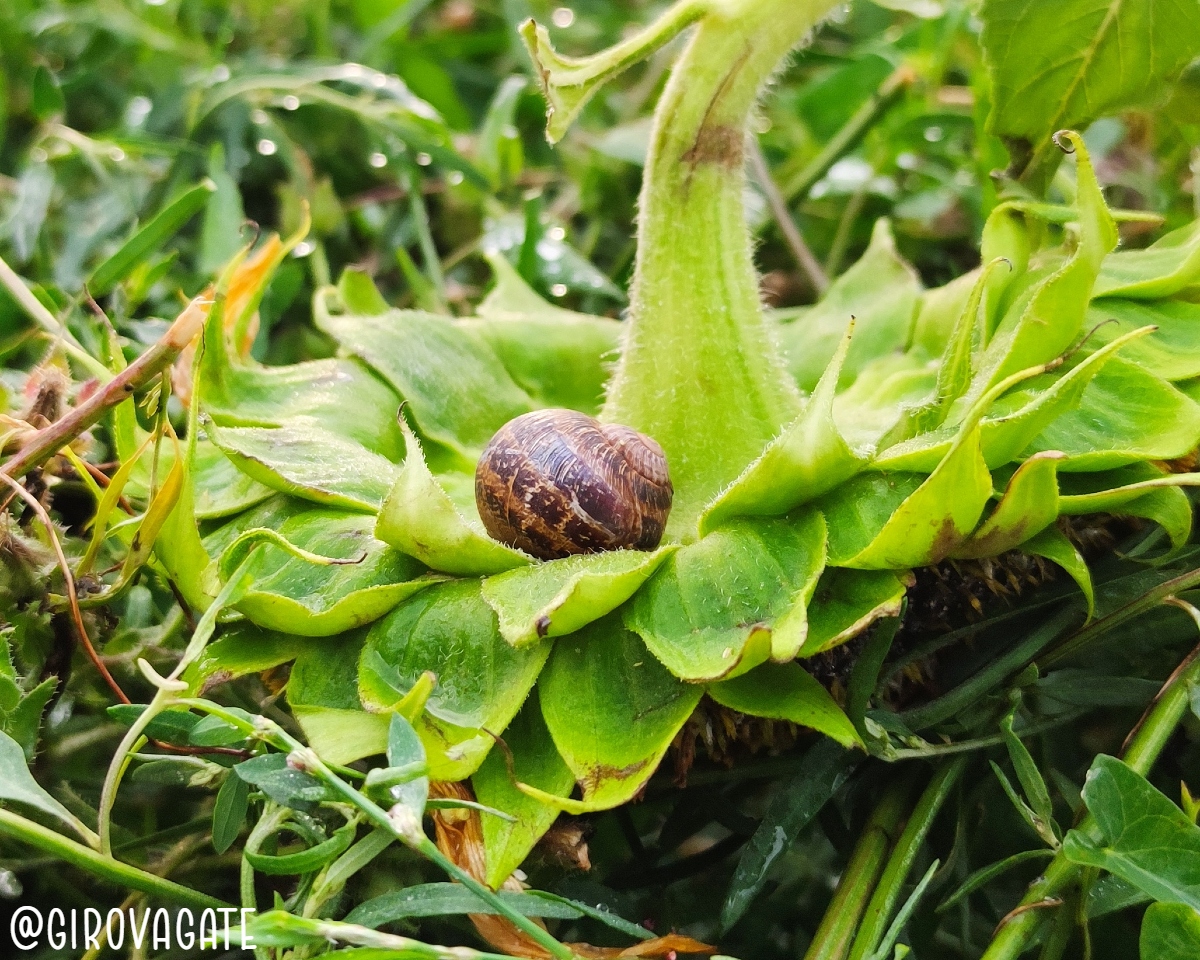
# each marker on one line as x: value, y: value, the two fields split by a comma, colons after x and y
x: 1170, y: 931
x: 737, y: 597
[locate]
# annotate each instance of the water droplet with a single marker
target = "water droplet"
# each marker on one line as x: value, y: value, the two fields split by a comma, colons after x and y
x: 260, y: 117
x: 38, y: 155
x: 563, y: 17
x: 155, y: 3
x: 454, y: 178
x: 220, y: 73
x: 138, y: 110
x: 291, y: 102
x: 934, y: 134
x: 424, y: 159
x: 303, y: 248
x: 556, y: 233
x: 377, y: 160
x: 907, y: 161
x: 267, y: 147
x: 10, y: 885
x: 116, y: 154
x: 379, y: 80
x: 559, y: 290
x: 354, y: 71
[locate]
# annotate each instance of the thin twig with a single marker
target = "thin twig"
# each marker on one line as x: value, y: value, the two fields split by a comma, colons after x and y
x: 45, y: 443
x: 779, y: 210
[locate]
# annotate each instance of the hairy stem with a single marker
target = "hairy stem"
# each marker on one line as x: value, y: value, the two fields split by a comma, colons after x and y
x: 699, y: 371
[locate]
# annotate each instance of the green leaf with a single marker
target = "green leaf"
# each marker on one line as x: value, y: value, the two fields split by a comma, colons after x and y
x: 1032, y: 783
x: 405, y: 753
x: 449, y: 631
x: 1028, y: 506
x: 725, y: 604
x: 451, y: 899
x: 437, y: 525
x: 221, y: 233
x: 985, y: 875
x: 535, y: 761
x: 1043, y: 323
x: 1170, y: 931
x: 786, y: 691
x: 170, y: 726
x: 796, y: 803
x: 18, y: 786
x: 558, y: 357
x: 500, y: 154
x: 1165, y: 268
x: 23, y: 721
x: 229, y: 812
x: 1053, y: 544
x: 808, y: 459
x: 271, y: 774
x: 558, y: 597
x: 1172, y: 351
x: 612, y: 710
x: 1127, y: 414
x: 220, y: 489
x: 241, y: 650
x: 303, y: 861
x: 150, y: 238
x: 454, y: 386
x: 309, y: 462
x: 1142, y: 837
x: 292, y: 594
x: 846, y: 602
x: 1066, y: 64
x: 214, y: 731
x: 48, y: 100
x: 881, y: 292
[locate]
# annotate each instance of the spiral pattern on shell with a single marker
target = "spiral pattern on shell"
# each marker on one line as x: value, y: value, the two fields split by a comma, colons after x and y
x: 556, y: 482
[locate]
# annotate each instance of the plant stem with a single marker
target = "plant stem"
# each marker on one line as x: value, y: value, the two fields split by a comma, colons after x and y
x: 1015, y: 935
x: 107, y: 868
x: 840, y: 923
x: 887, y: 891
x: 846, y: 139
x: 142, y: 371
x: 695, y: 302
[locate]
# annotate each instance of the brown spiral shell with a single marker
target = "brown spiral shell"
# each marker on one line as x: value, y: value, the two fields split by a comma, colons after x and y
x: 557, y: 482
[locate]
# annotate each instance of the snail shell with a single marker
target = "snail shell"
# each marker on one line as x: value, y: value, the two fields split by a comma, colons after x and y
x: 556, y: 482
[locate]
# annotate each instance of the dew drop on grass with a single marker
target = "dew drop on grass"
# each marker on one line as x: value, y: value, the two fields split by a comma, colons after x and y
x: 934, y: 134
x: 267, y: 147
x: 556, y: 233
x: 563, y: 17
x: 220, y: 73
x: 291, y: 102
x: 559, y: 290
x: 259, y: 116
x: 424, y: 159
x: 138, y: 110
x: 454, y: 178
x: 10, y: 885
x: 377, y: 160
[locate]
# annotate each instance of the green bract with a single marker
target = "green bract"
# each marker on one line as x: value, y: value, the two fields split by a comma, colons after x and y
x: 819, y: 457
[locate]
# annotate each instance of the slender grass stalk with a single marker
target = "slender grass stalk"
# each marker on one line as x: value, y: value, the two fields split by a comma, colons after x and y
x: 122, y: 874
x: 841, y: 921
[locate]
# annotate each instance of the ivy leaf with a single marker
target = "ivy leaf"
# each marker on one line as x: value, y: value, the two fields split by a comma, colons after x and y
x: 307, y: 461
x: 1065, y: 64
x: 1142, y: 837
x: 739, y: 596
x: 438, y: 523
x: 786, y: 691
x: 612, y: 710
x: 560, y: 596
x: 1170, y: 931
x: 536, y: 762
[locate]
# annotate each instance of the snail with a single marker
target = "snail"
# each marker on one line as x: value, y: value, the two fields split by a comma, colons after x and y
x: 556, y: 482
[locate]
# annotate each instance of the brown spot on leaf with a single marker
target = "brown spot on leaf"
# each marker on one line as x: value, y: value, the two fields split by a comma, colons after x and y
x: 723, y: 146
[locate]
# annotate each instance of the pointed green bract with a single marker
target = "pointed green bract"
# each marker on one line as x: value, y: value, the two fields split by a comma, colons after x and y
x: 1030, y: 504
x: 737, y: 597
x: 420, y: 518
x: 1053, y: 544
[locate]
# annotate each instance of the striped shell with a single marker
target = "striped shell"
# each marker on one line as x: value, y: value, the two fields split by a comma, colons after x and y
x: 556, y: 482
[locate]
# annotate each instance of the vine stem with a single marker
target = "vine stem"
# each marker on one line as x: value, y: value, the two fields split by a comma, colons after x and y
x: 1143, y: 749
